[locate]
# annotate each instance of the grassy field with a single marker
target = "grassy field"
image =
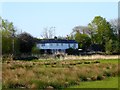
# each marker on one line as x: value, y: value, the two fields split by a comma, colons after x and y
x: 56, y: 73
x: 109, y: 61
x: 111, y: 82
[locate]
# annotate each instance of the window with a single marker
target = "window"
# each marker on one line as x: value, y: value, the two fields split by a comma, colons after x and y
x: 69, y: 45
x: 61, y: 44
x: 51, y: 44
x: 43, y: 44
x: 74, y: 46
x: 57, y: 44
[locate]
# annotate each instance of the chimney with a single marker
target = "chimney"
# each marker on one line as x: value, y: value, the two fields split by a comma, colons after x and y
x: 55, y: 37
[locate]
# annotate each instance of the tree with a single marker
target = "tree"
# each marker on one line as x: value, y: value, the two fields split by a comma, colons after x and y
x: 35, y: 50
x: 83, y: 40
x: 48, y: 33
x: 26, y: 42
x: 116, y: 47
x: 7, y: 30
x: 82, y: 29
x: 115, y: 24
x: 101, y: 31
x: 108, y: 47
x: 93, y: 34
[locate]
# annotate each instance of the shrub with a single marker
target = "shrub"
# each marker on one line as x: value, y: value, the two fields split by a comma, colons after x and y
x: 96, y: 61
x: 87, y: 62
x: 39, y: 84
x: 47, y: 63
x: 72, y: 63
x: 83, y: 78
x: 94, y: 78
x: 107, y: 73
x: 100, y: 77
x: 79, y: 63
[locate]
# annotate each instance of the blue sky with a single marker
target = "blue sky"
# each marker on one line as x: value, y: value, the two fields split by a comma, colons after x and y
x: 34, y: 17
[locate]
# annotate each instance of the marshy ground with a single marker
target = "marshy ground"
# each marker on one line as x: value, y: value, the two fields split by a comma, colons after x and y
x: 56, y: 73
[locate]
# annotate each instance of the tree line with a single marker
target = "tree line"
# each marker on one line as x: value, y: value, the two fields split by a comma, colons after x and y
x: 98, y: 31
x: 23, y: 42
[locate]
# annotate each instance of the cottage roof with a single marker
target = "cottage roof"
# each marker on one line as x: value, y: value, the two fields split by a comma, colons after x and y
x: 56, y: 41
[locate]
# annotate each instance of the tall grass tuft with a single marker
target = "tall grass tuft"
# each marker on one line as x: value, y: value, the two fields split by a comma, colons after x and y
x: 54, y: 74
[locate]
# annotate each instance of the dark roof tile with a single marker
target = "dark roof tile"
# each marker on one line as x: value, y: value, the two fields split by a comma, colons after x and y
x: 56, y: 41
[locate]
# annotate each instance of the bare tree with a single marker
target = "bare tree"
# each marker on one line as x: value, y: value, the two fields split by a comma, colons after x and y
x: 82, y: 29
x: 48, y: 33
x: 115, y: 24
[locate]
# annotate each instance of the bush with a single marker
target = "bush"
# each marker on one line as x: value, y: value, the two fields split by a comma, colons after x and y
x: 83, y: 78
x: 26, y: 58
x: 40, y: 84
x: 79, y: 63
x: 87, y: 62
x: 94, y: 78
x: 100, y: 77
x: 72, y: 51
x: 107, y: 73
x: 96, y: 62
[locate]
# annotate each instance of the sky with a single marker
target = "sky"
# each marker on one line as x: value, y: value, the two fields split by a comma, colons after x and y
x: 33, y: 17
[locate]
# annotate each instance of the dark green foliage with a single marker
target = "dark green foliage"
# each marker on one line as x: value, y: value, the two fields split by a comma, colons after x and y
x: 26, y: 42
x: 72, y: 51
x: 83, y: 40
x: 83, y: 78
x: 103, y: 34
x: 35, y: 50
x: 100, y: 77
x: 96, y: 62
x: 107, y: 73
x: 87, y: 62
x: 26, y: 58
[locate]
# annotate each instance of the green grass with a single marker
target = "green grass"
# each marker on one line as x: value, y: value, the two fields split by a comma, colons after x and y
x: 101, y: 60
x: 111, y: 82
x: 109, y: 60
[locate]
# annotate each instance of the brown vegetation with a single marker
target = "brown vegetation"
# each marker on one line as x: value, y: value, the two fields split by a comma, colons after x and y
x: 54, y: 74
